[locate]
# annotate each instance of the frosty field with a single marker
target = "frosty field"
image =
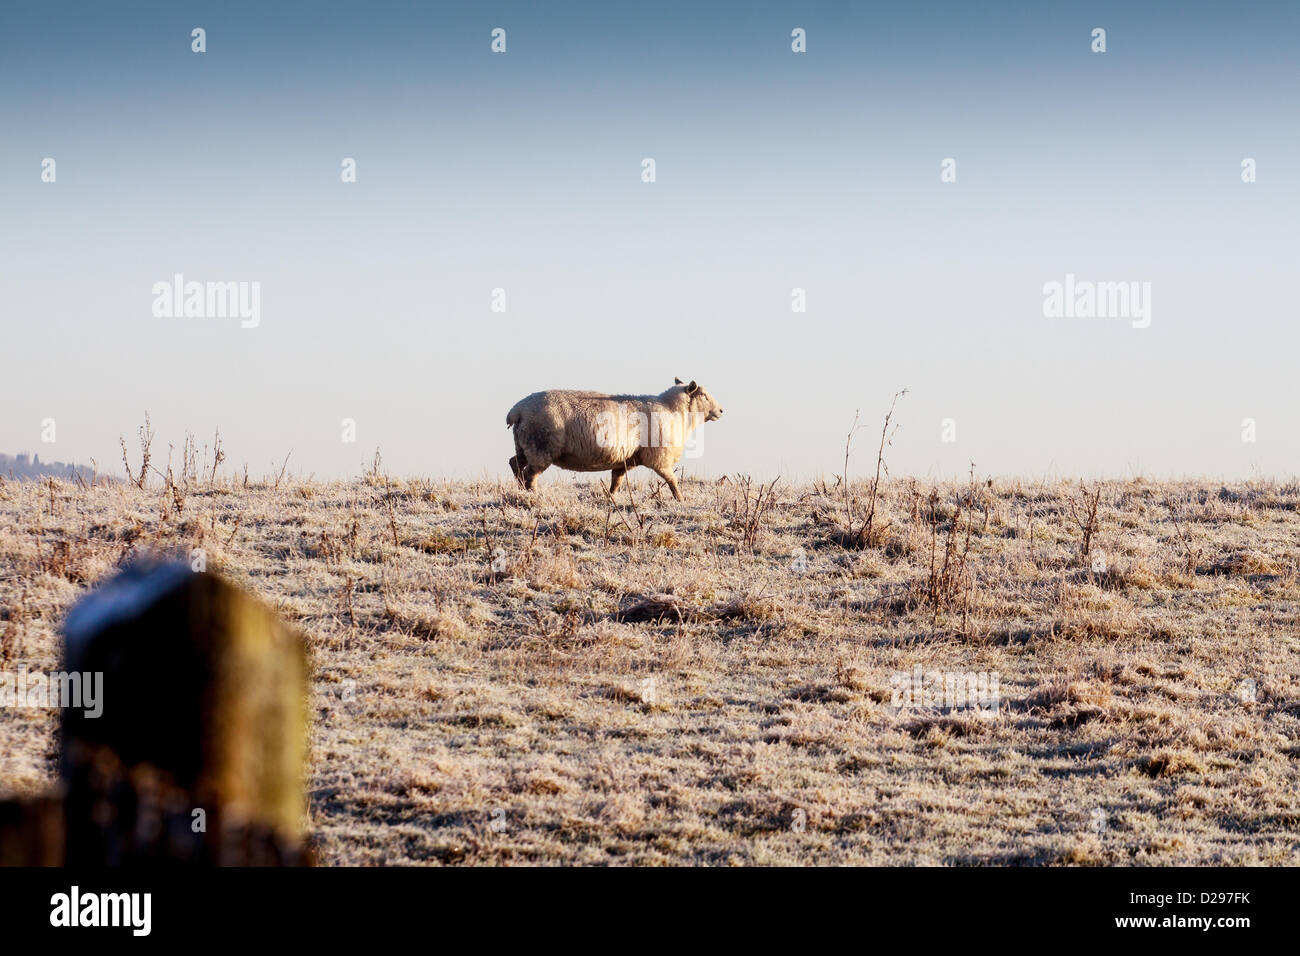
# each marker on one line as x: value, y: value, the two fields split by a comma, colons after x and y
x: 508, y: 678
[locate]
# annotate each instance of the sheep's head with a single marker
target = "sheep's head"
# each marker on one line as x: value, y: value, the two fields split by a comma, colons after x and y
x: 701, y: 402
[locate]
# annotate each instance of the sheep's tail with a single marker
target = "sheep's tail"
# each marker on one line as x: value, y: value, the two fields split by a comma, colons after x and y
x: 514, y: 417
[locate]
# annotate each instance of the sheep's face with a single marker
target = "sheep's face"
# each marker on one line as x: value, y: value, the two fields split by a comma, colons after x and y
x: 702, y: 403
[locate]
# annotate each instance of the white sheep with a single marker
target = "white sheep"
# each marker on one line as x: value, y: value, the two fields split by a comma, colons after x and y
x: 591, y: 431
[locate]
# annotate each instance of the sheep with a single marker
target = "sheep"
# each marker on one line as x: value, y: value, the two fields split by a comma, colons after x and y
x: 591, y: 431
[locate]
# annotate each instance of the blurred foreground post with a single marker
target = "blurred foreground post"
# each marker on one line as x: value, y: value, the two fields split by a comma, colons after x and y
x: 199, y: 751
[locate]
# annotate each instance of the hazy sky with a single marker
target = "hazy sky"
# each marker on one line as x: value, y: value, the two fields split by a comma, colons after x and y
x: 774, y: 170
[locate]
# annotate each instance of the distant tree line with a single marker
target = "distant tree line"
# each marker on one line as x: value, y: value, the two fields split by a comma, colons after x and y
x: 31, y: 467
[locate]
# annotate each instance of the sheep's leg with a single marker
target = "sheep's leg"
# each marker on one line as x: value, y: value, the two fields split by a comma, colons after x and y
x: 667, y: 475
x: 517, y: 464
x: 616, y: 478
x: 531, y: 471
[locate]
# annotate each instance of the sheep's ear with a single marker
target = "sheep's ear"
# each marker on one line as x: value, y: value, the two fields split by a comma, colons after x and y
x: 692, y: 388
x: 677, y: 381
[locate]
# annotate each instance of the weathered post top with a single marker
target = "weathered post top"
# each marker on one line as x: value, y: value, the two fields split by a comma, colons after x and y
x: 203, y: 722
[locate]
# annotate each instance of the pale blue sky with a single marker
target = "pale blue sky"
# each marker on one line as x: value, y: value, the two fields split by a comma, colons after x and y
x: 775, y: 171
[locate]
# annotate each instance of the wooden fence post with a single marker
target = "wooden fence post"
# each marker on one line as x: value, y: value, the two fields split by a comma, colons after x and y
x: 198, y: 753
